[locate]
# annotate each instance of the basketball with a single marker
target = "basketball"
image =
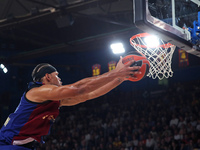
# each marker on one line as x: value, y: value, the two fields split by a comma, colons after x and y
x: 140, y: 60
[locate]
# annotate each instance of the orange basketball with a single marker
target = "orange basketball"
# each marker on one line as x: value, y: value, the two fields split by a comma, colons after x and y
x: 140, y: 60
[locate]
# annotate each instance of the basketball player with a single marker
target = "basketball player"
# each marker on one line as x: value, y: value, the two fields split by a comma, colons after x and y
x: 39, y: 105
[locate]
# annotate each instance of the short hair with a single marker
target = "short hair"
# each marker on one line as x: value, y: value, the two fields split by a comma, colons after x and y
x: 40, y: 70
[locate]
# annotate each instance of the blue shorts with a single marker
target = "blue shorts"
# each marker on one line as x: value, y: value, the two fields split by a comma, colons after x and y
x: 12, y: 147
x: 3, y: 146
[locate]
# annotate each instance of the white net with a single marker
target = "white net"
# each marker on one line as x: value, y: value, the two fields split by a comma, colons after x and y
x: 160, y: 57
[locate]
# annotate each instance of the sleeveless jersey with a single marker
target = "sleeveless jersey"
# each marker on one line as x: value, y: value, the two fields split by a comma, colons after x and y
x: 30, y: 121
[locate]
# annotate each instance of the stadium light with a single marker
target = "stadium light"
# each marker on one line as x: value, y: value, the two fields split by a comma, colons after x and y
x: 117, y: 48
x: 2, y: 66
x: 152, y: 41
x: 5, y: 70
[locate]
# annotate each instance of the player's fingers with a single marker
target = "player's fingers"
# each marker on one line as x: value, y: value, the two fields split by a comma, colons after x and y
x: 135, y: 68
x: 130, y: 62
x: 133, y: 73
x: 137, y: 72
x: 120, y: 60
x: 133, y: 77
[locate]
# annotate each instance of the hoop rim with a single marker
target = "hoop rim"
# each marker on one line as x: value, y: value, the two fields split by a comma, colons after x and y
x: 167, y: 45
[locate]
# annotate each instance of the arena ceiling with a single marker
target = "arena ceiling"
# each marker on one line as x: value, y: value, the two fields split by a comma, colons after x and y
x: 35, y: 28
x: 42, y: 27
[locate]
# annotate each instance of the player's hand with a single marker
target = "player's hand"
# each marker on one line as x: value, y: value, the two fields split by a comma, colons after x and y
x: 125, y: 70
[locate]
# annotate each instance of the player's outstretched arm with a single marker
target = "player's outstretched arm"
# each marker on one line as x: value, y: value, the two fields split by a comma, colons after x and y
x: 94, y: 94
x: 90, y: 84
x: 84, y: 86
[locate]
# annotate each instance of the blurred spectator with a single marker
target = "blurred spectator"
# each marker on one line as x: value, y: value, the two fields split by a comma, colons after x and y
x: 150, y: 142
x: 134, y: 124
x: 174, y: 120
x: 117, y: 144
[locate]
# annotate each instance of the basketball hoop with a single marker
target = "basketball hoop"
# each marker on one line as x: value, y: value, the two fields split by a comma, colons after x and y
x: 159, y: 56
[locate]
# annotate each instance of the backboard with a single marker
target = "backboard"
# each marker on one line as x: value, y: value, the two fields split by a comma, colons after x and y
x: 174, y: 21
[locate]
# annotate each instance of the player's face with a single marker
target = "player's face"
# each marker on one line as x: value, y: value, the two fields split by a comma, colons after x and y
x: 55, y: 79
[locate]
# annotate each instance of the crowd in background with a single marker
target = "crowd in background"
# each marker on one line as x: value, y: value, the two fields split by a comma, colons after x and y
x: 137, y: 120
x: 167, y: 119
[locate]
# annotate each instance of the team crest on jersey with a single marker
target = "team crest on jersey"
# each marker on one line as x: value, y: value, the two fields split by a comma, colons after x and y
x: 49, y: 117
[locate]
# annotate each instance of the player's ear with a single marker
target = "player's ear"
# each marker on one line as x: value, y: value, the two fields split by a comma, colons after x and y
x: 47, y: 76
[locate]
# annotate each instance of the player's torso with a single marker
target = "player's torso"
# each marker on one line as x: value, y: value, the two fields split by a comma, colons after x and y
x: 29, y: 121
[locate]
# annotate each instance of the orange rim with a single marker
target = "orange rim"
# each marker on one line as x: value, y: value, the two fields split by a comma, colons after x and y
x: 167, y: 45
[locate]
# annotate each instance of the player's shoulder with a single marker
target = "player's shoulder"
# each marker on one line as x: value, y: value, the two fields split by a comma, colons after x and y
x: 42, y: 88
x: 40, y: 94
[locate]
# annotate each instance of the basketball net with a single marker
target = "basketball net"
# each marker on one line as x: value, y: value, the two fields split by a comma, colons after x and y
x: 160, y: 57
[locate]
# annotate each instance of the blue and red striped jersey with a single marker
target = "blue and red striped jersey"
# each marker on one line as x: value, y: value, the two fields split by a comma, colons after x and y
x: 30, y: 121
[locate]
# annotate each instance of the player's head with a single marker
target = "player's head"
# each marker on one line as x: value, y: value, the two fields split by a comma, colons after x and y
x: 41, y: 70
